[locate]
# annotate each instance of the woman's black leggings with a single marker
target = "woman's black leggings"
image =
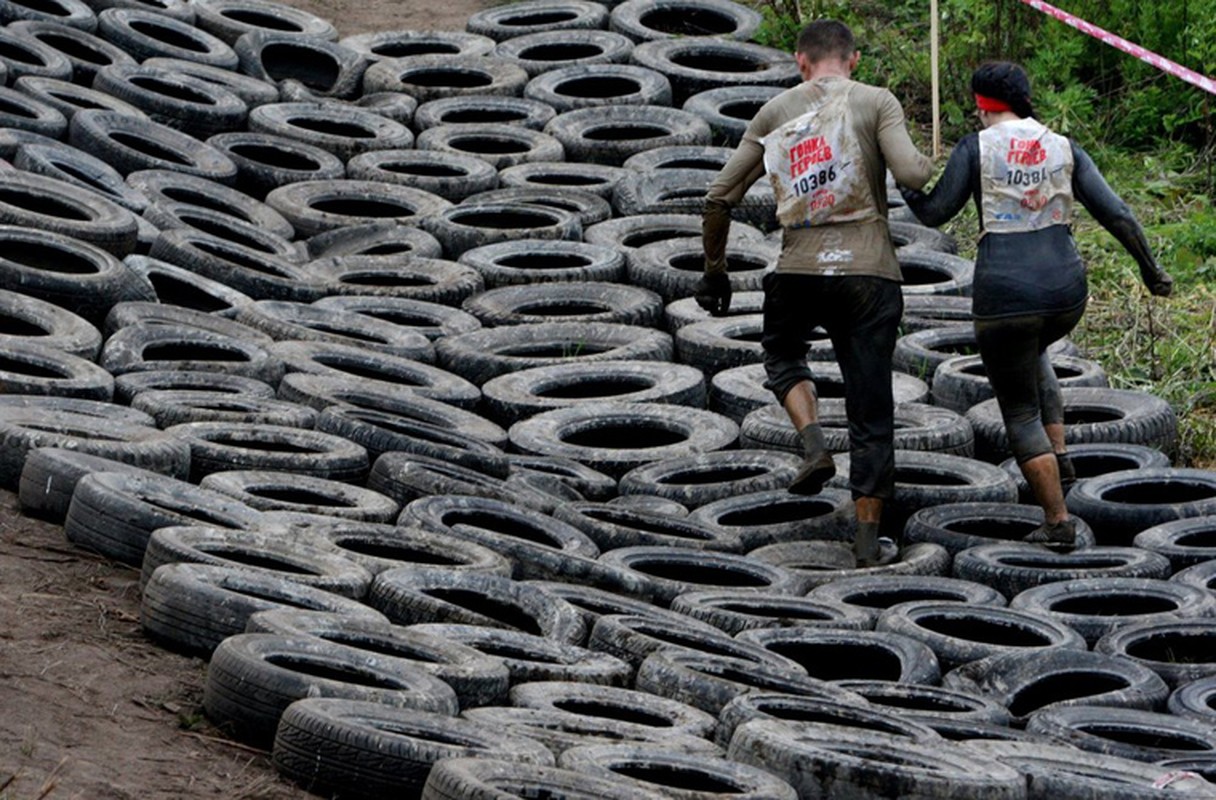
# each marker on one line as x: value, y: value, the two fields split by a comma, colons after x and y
x: 1014, y: 352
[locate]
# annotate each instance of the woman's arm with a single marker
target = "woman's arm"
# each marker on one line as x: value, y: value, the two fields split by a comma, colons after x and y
x: 1112, y: 213
x: 953, y: 189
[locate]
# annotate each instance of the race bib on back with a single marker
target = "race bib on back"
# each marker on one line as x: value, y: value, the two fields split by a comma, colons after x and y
x: 815, y: 166
x: 1025, y: 177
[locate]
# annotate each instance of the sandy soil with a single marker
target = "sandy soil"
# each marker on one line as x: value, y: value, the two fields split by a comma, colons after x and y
x: 89, y: 708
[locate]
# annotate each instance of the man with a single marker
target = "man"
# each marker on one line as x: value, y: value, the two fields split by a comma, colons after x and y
x: 826, y: 145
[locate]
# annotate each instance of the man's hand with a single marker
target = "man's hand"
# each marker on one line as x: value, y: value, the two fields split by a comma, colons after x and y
x: 1159, y: 283
x: 713, y: 293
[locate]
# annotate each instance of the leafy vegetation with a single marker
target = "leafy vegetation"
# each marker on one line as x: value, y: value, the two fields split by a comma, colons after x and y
x: 1150, y: 133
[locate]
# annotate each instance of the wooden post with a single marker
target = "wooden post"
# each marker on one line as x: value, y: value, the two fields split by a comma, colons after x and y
x: 934, y: 55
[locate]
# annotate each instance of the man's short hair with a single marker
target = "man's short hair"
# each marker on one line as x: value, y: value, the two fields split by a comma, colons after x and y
x: 826, y: 38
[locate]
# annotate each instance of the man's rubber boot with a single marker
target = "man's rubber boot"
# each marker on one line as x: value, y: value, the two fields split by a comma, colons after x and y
x: 1068, y: 472
x: 817, y: 465
x: 869, y: 549
x: 1057, y: 535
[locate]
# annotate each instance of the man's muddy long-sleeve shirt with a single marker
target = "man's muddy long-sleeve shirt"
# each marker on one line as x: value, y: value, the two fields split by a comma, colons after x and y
x: 842, y: 249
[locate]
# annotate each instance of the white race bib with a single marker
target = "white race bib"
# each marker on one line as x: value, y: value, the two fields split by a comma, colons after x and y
x: 815, y: 165
x: 1025, y: 177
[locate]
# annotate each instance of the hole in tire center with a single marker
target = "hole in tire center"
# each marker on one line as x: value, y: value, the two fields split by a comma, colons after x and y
x: 924, y: 276
x: 242, y: 443
x: 913, y: 701
x: 167, y: 35
x: 688, y: 780
x: 544, y: 261
x: 193, y: 351
x: 827, y: 717
x: 8, y: 106
x: 278, y: 157
x: 639, y: 435
x: 885, y: 598
x: 299, y: 496
x: 541, y: 350
x: 44, y: 204
x: 174, y: 291
x: 773, y: 609
x: 508, y: 526
x: 327, y: 670
x: 695, y: 262
x: 1175, y: 648
x: 465, y: 116
x: 489, y: 145
x: 16, y: 326
x: 222, y: 231
x: 538, y: 17
x: 331, y: 127
x: 15, y: 52
x: 578, y: 389
x: 30, y: 369
x: 604, y: 87
x: 1114, y: 605
x: 385, y: 279
x: 1162, y: 492
x: 251, y: 558
x: 1205, y: 539
x: 240, y: 258
x: 560, y: 52
x: 741, y: 109
x: 1089, y: 416
x: 487, y: 606
x: 831, y: 661
x: 455, y: 78
x: 1061, y: 687
x: 358, y: 207
x: 686, y: 571
x: 691, y: 163
x: 422, y: 170
x: 1090, y: 466
x: 718, y: 62
x: 176, y: 91
x: 921, y: 477
x: 1141, y: 737
x: 558, y: 179
x: 777, y: 513
x: 624, y: 132
x: 396, y: 552
x: 602, y: 710
x: 702, y: 477
x: 688, y: 21
x: 149, y: 148
x: 977, y: 629
x: 372, y: 643
x: 1003, y: 529
x: 258, y: 19
x: 73, y: 48
x: 46, y: 7
x: 507, y: 220
x: 616, y: 517
x: 573, y: 308
x: 650, y: 236
x: 423, y: 48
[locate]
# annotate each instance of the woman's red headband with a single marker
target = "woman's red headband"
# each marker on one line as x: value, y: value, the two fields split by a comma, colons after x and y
x: 991, y: 104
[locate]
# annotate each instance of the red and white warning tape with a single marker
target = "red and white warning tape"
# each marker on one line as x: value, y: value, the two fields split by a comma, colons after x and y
x: 1119, y: 43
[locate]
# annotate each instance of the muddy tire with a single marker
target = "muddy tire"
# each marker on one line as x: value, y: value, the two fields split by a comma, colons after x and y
x: 158, y: 346
x: 147, y: 34
x: 959, y: 526
x: 434, y: 77
x: 668, y: 572
x: 962, y: 382
x: 1014, y: 568
x: 602, y: 86
x: 1091, y: 415
x: 613, y: 526
x: 468, y: 226
x: 1120, y: 505
x: 218, y: 447
x: 653, y: 767
x: 1185, y: 542
x: 280, y: 491
x: 611, y: 134
x: 115, y: 514
x: 763, y: 518
x: 193, y: 607
x: 1153, y: 736
x: 253, y: 677
x: 694, y: 481
x: 1026, y: 683
x: 545, y: 51
x: 667, y: 267
x: 510, y: 263
x: 597, y: 179
x: 694, y: 65
x: 1180, y: 652
x: 733, y: 611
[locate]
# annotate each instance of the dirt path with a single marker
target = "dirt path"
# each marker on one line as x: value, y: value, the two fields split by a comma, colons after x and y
x: 89, y: 708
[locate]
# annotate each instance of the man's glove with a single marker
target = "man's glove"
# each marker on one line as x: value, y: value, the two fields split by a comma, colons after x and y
x: 713, y: 293
x: 1159, y: 283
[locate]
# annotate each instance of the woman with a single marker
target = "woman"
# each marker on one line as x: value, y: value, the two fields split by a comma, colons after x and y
x: 1030, y: 285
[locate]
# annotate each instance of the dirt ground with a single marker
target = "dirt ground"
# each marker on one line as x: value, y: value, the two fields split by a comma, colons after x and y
x: 90, y: 709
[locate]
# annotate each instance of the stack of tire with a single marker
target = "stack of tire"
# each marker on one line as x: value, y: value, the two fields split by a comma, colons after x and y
x: 375, y: 356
